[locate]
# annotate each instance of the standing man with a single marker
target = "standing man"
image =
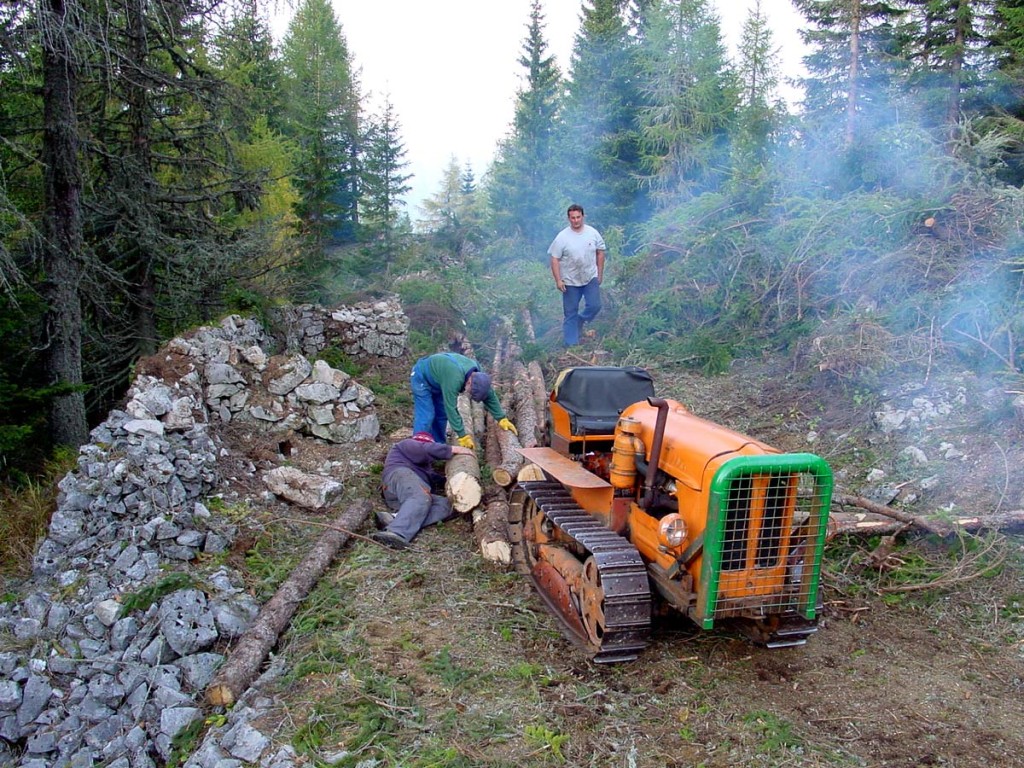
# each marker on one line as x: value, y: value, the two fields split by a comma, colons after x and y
x: 577, y: 264
x: 436, y: 382
x: 407, y: 480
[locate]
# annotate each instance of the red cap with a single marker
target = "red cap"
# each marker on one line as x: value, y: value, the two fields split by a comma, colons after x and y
x: 423, y: 437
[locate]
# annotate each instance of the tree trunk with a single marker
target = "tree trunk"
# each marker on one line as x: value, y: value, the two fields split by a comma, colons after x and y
x: 537, y: 388
x: 465, y: 408
x: 540, y: 400
x: 511, y: 459
x: 463, y: 482
x: 490, y: 529
x: 63, y: 225
x: 501, y: 476
x: 530, y: 472
x: 525, y: 406
x: 492, y: 451
x: 244, y: 663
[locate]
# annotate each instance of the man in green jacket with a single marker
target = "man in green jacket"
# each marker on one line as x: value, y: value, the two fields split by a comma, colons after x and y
x: 436, y: 382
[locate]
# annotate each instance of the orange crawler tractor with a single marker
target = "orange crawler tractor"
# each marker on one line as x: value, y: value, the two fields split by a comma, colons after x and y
x: 646, y: 507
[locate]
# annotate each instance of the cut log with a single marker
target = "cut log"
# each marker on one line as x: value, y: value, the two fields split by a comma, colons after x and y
x: 540, y: 399
x: 530, y: 472
x: 479, y: 417
x: 462, y: 484
x: 535, y: 388
x: 492, y: 451
x: 524, y: 404
x: 501, y: 476
x: 490, y: 528
x: 511, y: 459
x: 243, y: 665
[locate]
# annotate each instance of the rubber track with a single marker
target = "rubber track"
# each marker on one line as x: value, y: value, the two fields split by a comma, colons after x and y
x: 627, y: 595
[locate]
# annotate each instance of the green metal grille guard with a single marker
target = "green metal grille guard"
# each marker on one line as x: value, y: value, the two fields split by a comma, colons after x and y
x: 821, y: 502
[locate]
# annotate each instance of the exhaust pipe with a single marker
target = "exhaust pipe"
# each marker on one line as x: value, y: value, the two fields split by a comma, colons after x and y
x: 659, y: 435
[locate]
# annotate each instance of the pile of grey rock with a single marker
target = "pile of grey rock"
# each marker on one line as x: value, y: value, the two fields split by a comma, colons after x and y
x: 120, y: 628
x: 378, y: 328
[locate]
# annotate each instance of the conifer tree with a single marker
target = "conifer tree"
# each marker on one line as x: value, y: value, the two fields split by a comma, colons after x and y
x: 954, y: 54
x: 64, y: 251
x: 690, y: 98
x: 323, y: 120
x: 761, y: 113
x: 383, y: 183
x: 598, y: 151
x: 165, y: 178
x: 520, y: 186
x: 454, y: 214
x: 854, y: 65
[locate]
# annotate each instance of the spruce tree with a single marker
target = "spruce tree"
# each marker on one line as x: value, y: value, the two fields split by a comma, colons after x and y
x: 856, y: 73
x: 761, y: 113
x: 522, y: 197
x: 598, y: 150
x: 322, y: 112
x: 690, y: 99
x: 383, y: 185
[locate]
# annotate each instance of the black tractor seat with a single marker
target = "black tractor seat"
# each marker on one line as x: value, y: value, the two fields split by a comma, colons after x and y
x: 594, y: 396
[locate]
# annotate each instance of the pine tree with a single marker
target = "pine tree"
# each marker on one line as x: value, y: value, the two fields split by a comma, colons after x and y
x: 64, y: 247
x: 383, y: 184
x: 165, y: 178
x: 854, y: 66
x: 521, y: 185
x: 761, y: 113
x: 243, y: 53
x: 690, y: 97
x: 950, y: 44
x: 454, y: 214
x: 323, y: 120
x: 1007, y: 92
x: 599, y: 157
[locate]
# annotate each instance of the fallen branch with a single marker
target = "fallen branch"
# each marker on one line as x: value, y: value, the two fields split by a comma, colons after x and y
x: 939, y: 529
x: 244, y: 663
x: 847, y: 524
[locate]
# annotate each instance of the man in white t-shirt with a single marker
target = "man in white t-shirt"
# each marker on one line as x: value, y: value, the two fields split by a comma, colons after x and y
x: 577, y: 264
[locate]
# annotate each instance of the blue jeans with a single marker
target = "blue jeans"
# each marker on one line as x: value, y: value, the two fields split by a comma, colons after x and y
x: 574, y: 319
x: 428, y: 414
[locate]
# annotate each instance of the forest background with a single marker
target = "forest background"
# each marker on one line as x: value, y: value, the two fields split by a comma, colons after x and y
x: 163, y: 163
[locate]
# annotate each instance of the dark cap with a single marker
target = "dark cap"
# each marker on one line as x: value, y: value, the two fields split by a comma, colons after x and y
x: 480, y: 386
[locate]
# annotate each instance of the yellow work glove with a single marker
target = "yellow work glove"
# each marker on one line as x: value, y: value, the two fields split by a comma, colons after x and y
x: 466, y: 441
x: 506, y: 424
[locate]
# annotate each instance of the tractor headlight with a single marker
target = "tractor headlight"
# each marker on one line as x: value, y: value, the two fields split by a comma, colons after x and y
x: 671, y: 531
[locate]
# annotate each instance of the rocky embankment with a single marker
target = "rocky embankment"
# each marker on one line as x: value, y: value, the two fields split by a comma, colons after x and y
x: 124, y: 621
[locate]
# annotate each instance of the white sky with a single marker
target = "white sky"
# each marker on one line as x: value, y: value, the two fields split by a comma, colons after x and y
x: 451, y: 71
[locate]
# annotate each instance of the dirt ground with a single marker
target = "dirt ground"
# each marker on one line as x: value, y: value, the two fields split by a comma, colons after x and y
x: 434, y: 657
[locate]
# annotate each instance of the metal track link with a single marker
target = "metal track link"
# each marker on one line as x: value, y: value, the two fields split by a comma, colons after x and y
x: 623, y: 574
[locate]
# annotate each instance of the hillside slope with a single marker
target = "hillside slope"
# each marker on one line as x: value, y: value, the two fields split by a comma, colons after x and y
x: 434, y: 657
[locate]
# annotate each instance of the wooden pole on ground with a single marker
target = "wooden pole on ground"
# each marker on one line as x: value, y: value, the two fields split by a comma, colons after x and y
x: 243, y: 665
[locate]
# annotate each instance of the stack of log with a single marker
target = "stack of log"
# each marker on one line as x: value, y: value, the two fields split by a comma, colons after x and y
x: 522, y: 392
